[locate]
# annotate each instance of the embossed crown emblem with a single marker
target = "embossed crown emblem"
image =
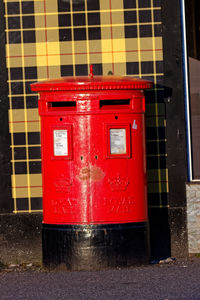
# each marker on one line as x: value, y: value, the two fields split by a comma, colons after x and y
x: 118, y: 183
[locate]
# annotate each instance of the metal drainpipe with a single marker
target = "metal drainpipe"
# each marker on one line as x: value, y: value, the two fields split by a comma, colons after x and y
x: 186, y: 88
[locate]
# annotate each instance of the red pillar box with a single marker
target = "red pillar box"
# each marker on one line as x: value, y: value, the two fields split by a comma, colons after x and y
x: 94, y: 172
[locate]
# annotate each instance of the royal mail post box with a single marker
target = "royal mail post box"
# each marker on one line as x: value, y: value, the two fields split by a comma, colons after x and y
x: 94, y: 172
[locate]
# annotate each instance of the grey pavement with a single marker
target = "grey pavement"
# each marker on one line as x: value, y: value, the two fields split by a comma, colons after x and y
x: 177, y: 280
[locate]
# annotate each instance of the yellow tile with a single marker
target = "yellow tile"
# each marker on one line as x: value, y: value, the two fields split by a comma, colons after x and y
x: 159, y: 55
x: 19, y: 180
x: 17, y: 127
x: 32, y: 114
x: 117, y: 4
x: 132, y: 57
x: 104, y: 4
x: 21, y: 192
x: 33, y: 126
x: 119, y: 50
x: 106, y: 46
x: 36, y: 192
x: 17, y: 115
x: 158, y: 43
x: 147, y: 56
x: 53, y: 49
x: 41, y: 51
x: 36, y: 180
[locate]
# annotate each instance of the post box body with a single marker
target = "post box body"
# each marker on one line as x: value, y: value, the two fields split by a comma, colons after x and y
x: 93, y: 152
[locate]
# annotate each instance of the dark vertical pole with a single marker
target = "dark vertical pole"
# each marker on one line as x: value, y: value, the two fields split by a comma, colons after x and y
x: 5, y: 170
x: 175, y: 130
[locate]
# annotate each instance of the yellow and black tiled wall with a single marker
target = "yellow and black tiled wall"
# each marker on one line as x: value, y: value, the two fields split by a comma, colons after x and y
x: 53, y: 38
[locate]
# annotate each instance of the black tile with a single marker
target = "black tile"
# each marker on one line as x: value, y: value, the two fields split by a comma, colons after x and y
x: 159, y: 79
x: 20, y: 168
x: 130, y: 31
x: 28, y: 87
x: 94, y: 19
x: 94, y: 33
x: 145, y: 31
x: 151, y: 133
x: 65, y: 35
x: 29, y: 36
x: 14, y: 37
x: 13, y: 8
x: 150, y: 78
x: 152, y: 147
x: 157, y: 199
x: 64, y: 20
x: 157, y: 30
x: 157, y: 15
x: 144, y: 16
x: 129, y: 3
x: 144, y: 3
x: 19, y: 138
x: 152, y: 162
x: 35, y: 167
x: 162, y: 133
x: 156, y: 147
x: 132, y: 68
x: 78, y: 5
x: 162, y: 147
x: 36, y: 203
x: 93, y: 4
x: 153, y: 96
x: 14, y: 23
x: 63, y: 6
x: 79, y: 19
x: 28, y: 7
x: 17, y: 88
x: 17, y: 102
x: 67, y: 70
x: 147, y: 67
x: 130, y: 17
x: 28, y: 21
x: 97, y: 69
x: 16, y: 73
x: 31, y: 72
x: 31, y: 101
x: 34, y: 152
x: 20, y: 153
x: 156, y: 3
x: 79, y: 34
x: 159, y: 67
x: 81, y: 70
x: 33, y: 138
x: 22, y: 204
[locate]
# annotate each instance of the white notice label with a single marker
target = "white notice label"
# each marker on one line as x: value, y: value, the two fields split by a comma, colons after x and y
x: 118, y: 141
x: 60, y: 142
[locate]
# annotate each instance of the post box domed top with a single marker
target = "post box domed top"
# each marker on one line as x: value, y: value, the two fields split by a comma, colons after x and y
x: 86, y: 83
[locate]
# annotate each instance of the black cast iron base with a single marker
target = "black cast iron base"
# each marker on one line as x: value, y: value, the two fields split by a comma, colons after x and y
x: 94, y: 247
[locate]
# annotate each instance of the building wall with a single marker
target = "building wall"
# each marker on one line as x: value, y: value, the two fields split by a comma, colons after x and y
x: 53, y: 38
x: 49, y: 39
x: 193, y: 217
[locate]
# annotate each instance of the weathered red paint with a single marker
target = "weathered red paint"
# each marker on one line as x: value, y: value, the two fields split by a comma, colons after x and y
x: 90, y: 182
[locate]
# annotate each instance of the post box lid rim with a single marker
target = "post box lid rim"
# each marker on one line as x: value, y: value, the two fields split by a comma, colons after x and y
x: 94, y: 83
